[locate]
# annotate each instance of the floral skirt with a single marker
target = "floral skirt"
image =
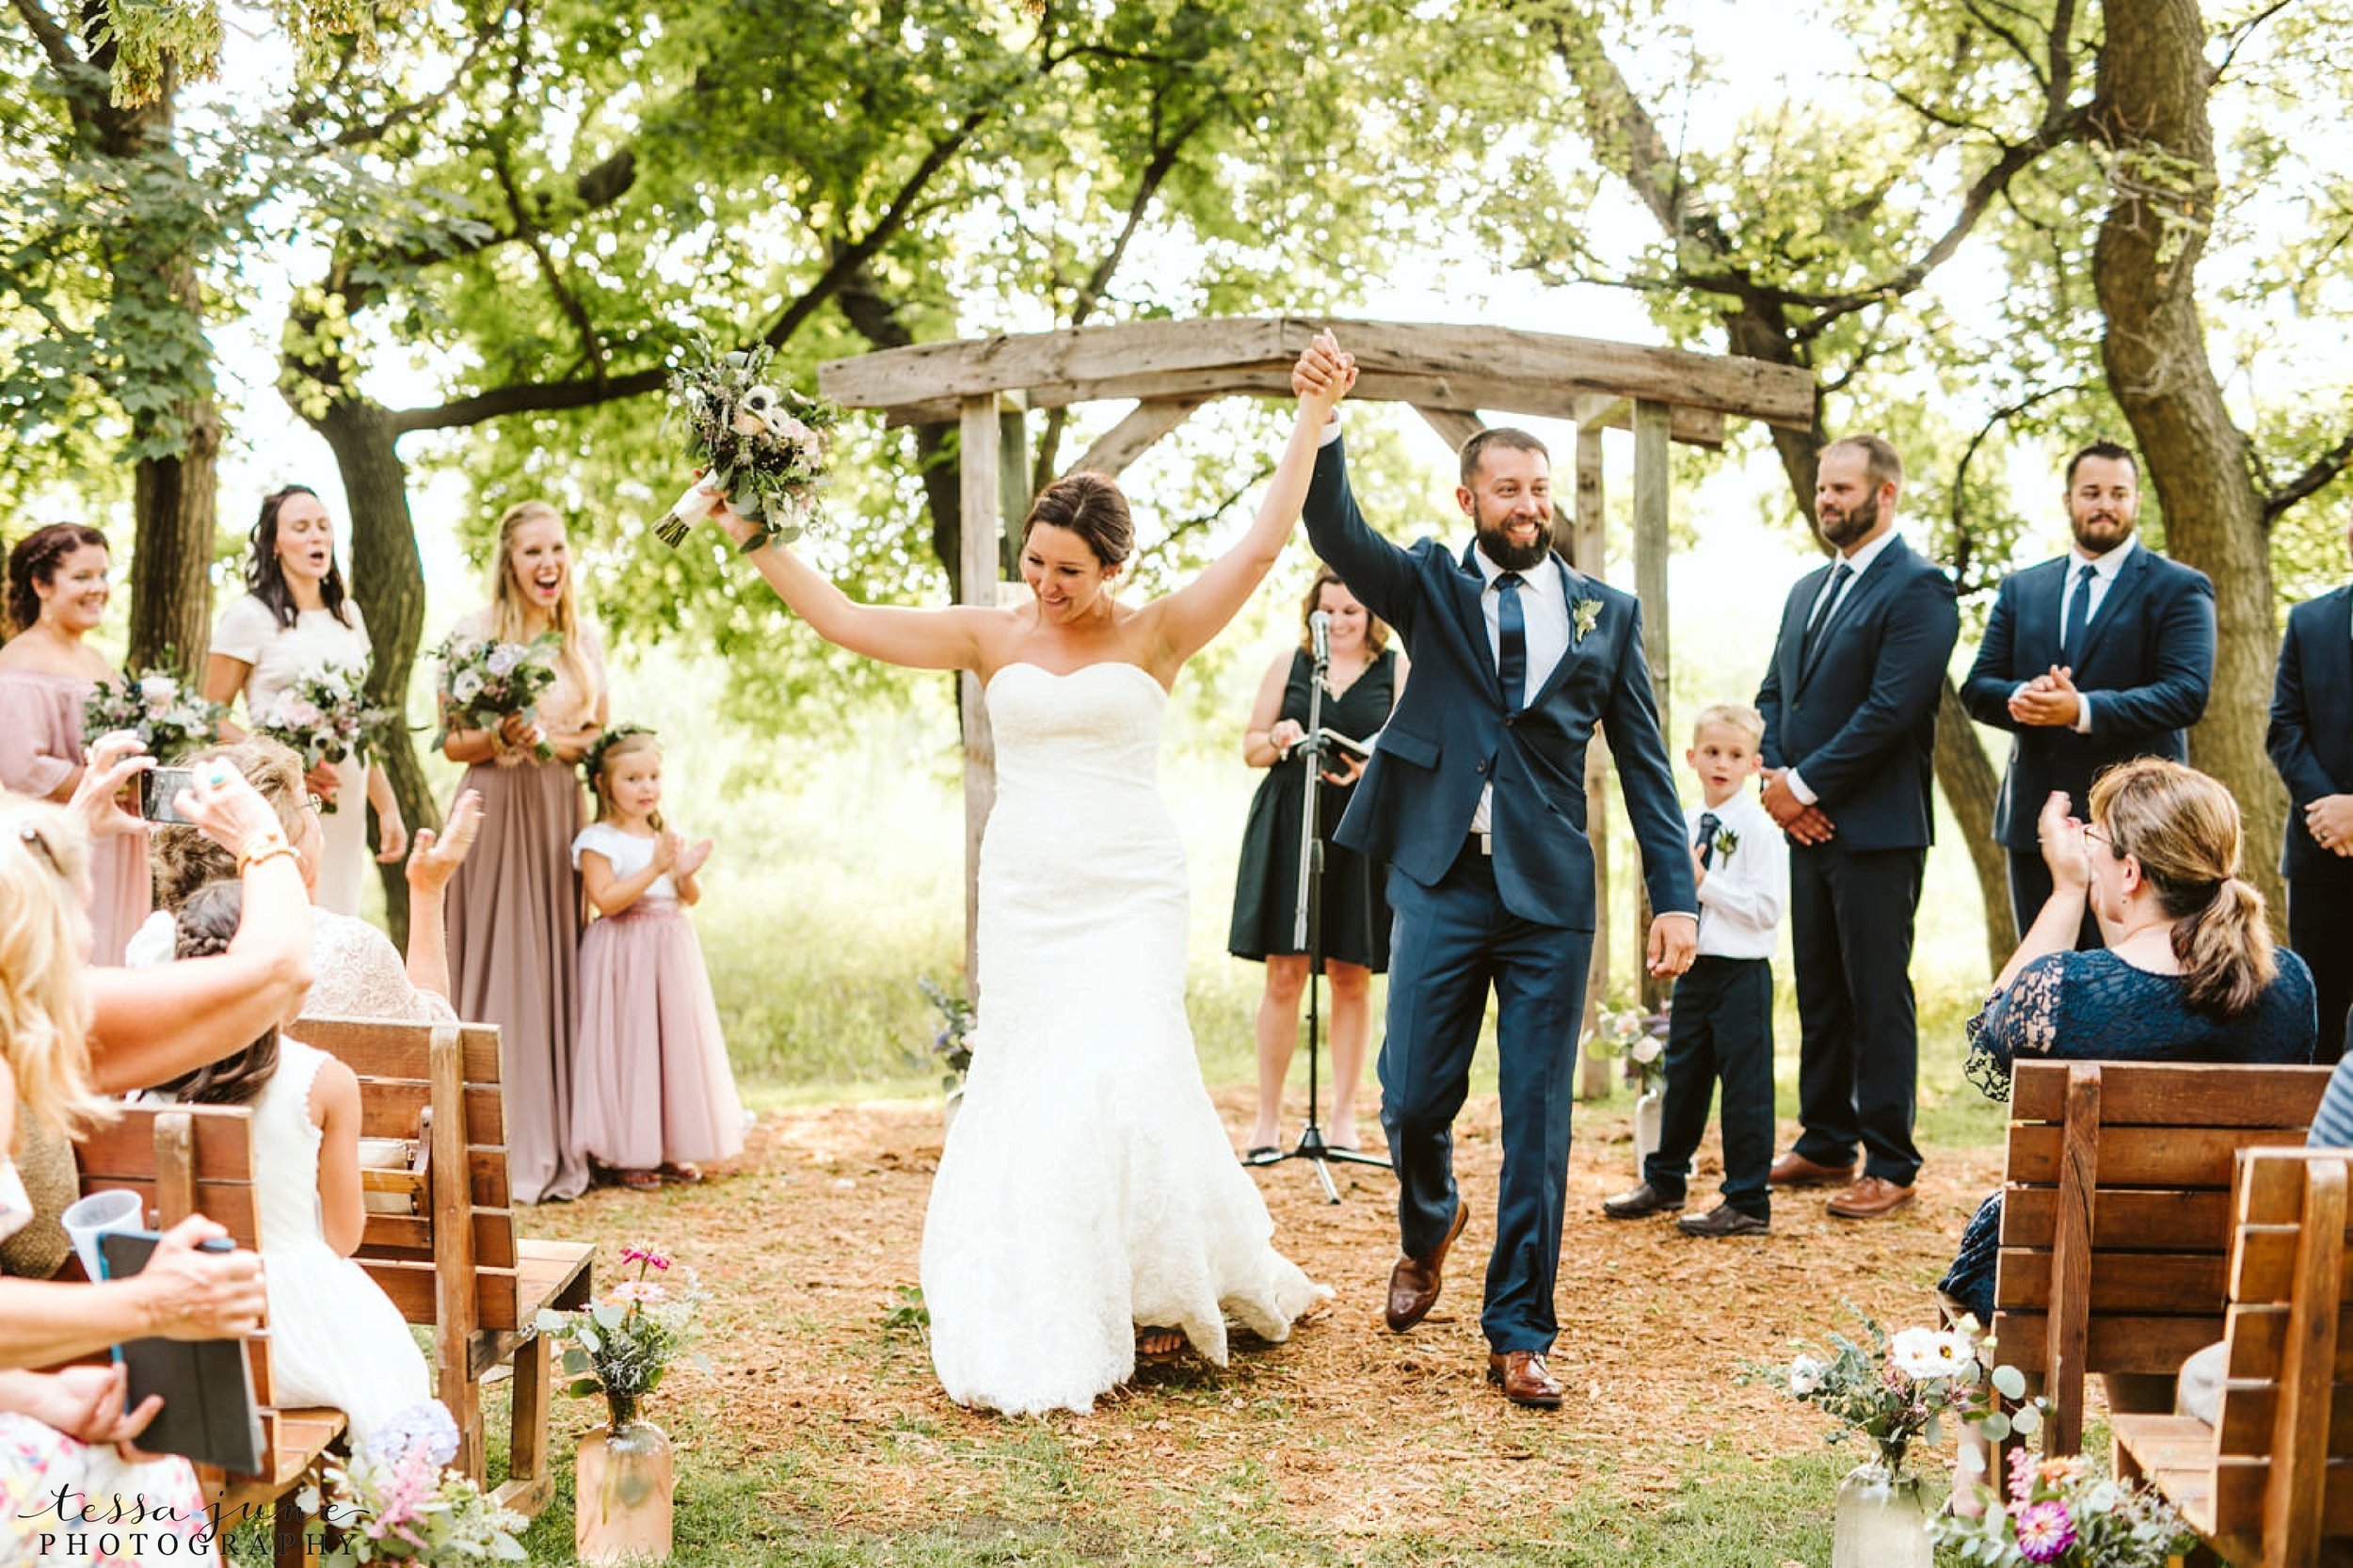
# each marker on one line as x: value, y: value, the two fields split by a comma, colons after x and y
x: 67, y: 1503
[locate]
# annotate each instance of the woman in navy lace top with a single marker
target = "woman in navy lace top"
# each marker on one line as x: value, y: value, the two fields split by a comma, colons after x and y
x: 2189, y: 973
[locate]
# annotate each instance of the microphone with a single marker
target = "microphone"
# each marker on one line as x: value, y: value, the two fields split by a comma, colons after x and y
x: 1320, y: 634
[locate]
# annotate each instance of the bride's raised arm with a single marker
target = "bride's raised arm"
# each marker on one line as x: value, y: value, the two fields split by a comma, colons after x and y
x: 1185, y: 620
x: 948, y: 639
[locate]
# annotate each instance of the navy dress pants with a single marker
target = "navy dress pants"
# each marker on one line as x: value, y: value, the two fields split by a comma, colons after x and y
x: 1452, y: 942
x: 1850, y: 916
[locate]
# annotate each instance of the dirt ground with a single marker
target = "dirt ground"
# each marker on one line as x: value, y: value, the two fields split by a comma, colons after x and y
x: 807, y: 1241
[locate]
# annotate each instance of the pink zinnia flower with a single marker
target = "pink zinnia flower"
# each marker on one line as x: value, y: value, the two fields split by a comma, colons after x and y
x: 2044, y: 1531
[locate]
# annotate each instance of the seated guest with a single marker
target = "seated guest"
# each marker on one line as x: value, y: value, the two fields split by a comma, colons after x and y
x: 2189, y: 972
x: 358, y: 972
x: 59, y: 1430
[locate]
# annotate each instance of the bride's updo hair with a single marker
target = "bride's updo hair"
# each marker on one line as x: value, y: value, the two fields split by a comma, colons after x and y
x: 2184, y: 828
x: 1091, y: 506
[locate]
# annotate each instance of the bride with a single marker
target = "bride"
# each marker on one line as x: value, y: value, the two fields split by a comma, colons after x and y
x: 1087, y: 1207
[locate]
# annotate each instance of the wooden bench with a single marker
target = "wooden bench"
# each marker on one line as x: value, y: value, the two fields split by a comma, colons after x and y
x: 2272, y: 1480
x: 198, y: 1158
x: 455, y: 1263
x: 2116, y: 1213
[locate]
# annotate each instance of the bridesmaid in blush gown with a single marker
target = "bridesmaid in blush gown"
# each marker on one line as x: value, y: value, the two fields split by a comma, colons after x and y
x: 57, y: 594
x: 514, y: 906
x: 1088, y: 1210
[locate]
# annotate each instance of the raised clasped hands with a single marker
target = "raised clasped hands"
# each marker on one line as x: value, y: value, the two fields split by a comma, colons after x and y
x: 2329, y: 820
x: 1324, y: 375
x: 1804, y: 823
x: 2050, y: 700
x: 2066, y: 847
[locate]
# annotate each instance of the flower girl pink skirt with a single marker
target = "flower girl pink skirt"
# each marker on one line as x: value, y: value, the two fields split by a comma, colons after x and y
x: 650, y: 1081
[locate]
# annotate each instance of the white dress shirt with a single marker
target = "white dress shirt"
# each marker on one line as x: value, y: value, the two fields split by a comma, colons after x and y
x: 1858, y: 563
x: 1544, y: 612
x: 1743, y: 894
x: 2103, y: 573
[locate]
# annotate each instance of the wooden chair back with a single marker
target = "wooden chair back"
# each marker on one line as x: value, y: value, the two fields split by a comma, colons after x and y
x: 2116, y: 1213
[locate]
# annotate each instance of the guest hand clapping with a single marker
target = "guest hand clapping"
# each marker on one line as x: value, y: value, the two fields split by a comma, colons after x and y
x: 2049, y: 700
x: 439, y: 855
x: 690, y: 858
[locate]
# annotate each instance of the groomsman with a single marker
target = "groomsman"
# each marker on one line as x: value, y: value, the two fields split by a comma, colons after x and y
x: 1849, y: 705
x: 2310, y: 743
x: 2100, y: 656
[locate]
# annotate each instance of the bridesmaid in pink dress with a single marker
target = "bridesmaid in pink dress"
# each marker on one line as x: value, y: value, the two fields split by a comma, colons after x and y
x: 514, y: 906
x: 58, y: 593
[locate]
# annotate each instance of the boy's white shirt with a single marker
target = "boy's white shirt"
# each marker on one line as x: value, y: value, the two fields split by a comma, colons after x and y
x: 1744, y: 893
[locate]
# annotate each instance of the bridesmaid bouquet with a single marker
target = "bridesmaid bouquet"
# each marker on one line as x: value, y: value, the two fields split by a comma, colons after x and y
x: 620, y: 1345
x: 169, y: 718
x: 323, y: 716
x: 395, y: 1501
x: 762, y: 448
x: 486, y: 681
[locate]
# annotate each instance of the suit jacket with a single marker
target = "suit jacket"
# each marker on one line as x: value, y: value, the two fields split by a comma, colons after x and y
x: 1858, y: 719
x: 2310, y: 738
x: 2147, y: 663
x: 1451, y: 736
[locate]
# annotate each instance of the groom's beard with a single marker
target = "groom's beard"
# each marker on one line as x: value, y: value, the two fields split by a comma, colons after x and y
x: 1494, y: 541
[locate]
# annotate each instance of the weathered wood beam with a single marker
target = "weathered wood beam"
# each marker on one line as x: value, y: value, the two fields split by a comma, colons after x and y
x: 1650, y: 480
x: 1589, y: 550
x: 1455, y: 426
x: 983, y: 523
x: 1475, y: 358
x: 1453, y: 393
x: 1124, y: 443
x: 1688, y: 426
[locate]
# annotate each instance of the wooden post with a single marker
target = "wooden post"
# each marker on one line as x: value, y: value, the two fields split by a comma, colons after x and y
x: 1653, y: 424
x: 984, y: 524
x: 1590, y: 550
x: 1013, y: 485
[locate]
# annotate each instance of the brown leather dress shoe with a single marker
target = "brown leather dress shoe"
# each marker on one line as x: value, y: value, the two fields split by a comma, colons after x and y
x: 1795, y: 1170
x: 1413, y: 1283
x: 1869, y: 1198
x: 1525, y: 1379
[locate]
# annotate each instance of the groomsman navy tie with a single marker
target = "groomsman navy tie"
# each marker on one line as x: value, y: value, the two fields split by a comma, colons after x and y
x: 1828, y: 608
x: 1511, y: 628
x: 1706, y: 843
x: 2079, y: 618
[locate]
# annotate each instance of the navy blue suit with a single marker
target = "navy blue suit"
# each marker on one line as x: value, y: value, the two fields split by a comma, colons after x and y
x: 1521, y: 921
x: 1857, y: 720
x: 2311, y: 741
x: 2146, y: 662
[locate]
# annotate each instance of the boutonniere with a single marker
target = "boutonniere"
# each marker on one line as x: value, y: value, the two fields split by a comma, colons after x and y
x: 1584, y: 616
x: 1726, y: 841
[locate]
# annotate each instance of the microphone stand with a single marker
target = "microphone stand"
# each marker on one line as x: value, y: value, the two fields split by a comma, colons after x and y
x: 1308, y: 930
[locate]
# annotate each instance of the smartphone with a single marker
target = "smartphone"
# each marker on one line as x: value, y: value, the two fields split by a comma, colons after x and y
x: 157, y: 787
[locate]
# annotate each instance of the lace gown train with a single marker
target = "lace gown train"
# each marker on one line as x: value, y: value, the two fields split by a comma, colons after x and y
x: 1087, y: 1186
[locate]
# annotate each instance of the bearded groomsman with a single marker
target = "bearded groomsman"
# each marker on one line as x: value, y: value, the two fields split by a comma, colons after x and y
x: 2311, y: 745
x: 1849, y: 705
x: 2100, y: 656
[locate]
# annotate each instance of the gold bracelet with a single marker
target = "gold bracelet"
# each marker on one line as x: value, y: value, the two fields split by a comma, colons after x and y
x: 281, y: 847
x: 262, y: 846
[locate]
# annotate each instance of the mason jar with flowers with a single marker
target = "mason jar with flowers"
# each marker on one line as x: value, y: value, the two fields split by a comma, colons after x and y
x: 1639, y: 1038
x: 619, y: 1347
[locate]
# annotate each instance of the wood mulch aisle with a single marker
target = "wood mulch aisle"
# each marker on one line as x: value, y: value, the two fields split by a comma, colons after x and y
x: 1351, y: 1432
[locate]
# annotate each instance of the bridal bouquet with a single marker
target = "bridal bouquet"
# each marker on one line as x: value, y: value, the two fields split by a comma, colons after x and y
x: 323, y: 716
x: 394, y: 1501
x: 486, y: 681
x: 169, y: 716
x: 762, y: 448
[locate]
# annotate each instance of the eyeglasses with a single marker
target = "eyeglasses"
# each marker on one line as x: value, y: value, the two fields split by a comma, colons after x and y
x: 317, y: 803
x: 33, y: 839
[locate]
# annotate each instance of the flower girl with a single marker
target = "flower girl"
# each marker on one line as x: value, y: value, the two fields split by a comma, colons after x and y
x: 335, y: 1337
x: 651, y: 1090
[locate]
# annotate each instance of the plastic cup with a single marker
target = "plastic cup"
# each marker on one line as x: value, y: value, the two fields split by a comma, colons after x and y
x: 88, y: 1219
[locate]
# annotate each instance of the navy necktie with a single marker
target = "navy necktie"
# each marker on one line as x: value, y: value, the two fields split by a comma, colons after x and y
x: 1511, y: 629
x: 2078, y: 618
x: 1706, y: 843
x: 1815, y: 628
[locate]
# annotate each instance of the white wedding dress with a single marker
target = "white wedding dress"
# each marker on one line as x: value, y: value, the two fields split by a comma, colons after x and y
x: 1087, y: 1186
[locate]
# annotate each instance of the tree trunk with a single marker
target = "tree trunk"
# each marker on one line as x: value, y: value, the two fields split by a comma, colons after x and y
x: 176, y: 501
x: 2152, y: 116
x: 388, y: 580
x: 1970, y: 788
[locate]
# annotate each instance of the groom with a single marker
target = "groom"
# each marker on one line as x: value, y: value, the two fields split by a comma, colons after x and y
x: 1475, y: 795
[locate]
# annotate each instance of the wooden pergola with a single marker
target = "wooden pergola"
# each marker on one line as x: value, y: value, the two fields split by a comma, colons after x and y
x: 1453, y: 376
